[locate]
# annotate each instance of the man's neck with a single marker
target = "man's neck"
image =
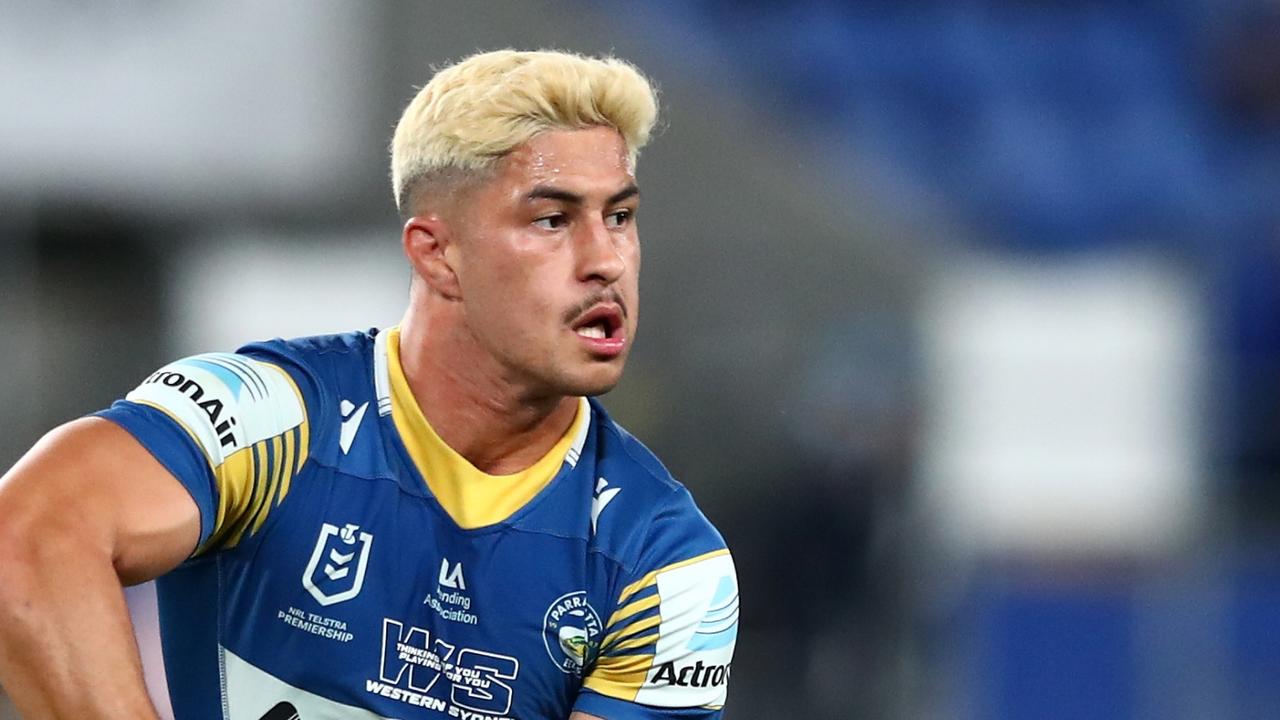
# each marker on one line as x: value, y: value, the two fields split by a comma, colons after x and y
x: 483, y: 416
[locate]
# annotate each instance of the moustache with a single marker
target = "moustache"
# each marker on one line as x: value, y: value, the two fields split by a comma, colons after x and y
x: 609, y: 295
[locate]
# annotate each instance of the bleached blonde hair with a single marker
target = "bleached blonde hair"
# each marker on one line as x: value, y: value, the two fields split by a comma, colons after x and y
x: 479, y: 109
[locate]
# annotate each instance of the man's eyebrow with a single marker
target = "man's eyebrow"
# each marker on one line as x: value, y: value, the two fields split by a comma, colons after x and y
x: 549, y: 192
x: 629, y: 191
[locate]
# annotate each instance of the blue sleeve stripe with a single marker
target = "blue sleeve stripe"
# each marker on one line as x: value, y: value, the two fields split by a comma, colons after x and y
x: 298, y: 457
x: 262, y: 478
x: 621, y: 625
x: 639, y: 594
x: 650, y: 649
x: 257, y: 390
x: 269, y: 448
x: 247, y: 371
x: 648, y: 636
x: 272, y: 480
x: 255, y: 471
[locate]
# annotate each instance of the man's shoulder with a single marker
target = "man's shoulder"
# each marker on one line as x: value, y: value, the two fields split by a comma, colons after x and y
x: 622, y: 458
x: 321, y: 365
x: 640, y: 508
x: 313, y: 349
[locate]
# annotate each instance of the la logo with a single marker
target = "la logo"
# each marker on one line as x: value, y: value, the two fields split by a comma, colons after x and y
x: 452, y: 578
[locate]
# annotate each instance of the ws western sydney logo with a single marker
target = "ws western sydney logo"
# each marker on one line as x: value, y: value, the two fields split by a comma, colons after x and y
x: 423, y: 670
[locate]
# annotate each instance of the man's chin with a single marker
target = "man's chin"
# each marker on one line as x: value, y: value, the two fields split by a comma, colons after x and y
x: 596, y: 381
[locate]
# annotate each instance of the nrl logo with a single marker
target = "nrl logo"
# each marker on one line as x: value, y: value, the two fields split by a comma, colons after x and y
x: 336, y: 570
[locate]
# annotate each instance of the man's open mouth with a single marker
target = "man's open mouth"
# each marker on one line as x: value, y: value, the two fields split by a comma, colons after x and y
x: 602, y: 322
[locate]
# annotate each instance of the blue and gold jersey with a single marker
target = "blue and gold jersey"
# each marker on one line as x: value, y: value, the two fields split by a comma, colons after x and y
x: 351, y: 565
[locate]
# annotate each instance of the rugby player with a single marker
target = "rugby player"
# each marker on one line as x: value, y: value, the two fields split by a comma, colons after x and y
x: 435, y: 520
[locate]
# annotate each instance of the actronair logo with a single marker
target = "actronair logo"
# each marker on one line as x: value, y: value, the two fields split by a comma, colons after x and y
x: 211, y: 407
x: 698, y: 675
x: 698, y: 608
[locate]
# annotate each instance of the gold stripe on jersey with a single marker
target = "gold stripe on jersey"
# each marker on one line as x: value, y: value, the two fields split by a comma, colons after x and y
x: 234, y: 480
x: 274, y: 473
x: 288, y: 465
x: 632, y: 629
x: 261, y: 469
x: 302, y: 446
x: 619, y: 676
x: 620, y: 671
x: 296, y: 452
x: 241, y: 491
x: 254, y: 479
x: 651, y: 578
x: 261, y: 484
x: 636, y: 642
x: 634, y: 608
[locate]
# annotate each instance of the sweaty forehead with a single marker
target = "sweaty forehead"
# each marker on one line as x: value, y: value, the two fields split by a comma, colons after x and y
x: 597, y: 153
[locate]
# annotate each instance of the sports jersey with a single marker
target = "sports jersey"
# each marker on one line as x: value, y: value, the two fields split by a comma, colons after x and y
x: 351, y: 567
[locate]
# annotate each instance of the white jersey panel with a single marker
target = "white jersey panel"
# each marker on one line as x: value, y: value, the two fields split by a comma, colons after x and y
x: 252, y: 693
x: 699, y: 627
x: 227, y: 402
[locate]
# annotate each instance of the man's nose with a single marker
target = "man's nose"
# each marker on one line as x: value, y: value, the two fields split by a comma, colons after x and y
x: 599, y: 254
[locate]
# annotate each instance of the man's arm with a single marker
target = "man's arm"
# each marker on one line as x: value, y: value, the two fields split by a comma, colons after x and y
x: 676, y: 614
x: 87, y: 509
x: 583, y: 716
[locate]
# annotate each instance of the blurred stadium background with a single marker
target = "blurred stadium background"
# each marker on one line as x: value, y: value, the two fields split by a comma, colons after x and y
x: 961, y: 317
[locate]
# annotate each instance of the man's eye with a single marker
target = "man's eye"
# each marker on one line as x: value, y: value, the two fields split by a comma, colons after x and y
x: 551, y: 222
x: 619, y: 218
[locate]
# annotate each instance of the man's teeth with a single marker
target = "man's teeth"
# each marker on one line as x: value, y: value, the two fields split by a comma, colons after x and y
x: 592, y: 331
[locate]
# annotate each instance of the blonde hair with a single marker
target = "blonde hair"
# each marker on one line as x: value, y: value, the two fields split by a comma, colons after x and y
x: 479, y: 109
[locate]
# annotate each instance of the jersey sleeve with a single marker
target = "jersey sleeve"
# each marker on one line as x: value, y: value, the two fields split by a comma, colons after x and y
x: 231, y: 428
x: 668, y: 644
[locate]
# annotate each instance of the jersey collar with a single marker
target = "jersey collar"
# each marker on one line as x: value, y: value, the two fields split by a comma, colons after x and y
x: 470, y: 496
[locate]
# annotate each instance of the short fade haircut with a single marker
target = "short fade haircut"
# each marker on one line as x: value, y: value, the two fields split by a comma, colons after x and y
x: 476, y: 111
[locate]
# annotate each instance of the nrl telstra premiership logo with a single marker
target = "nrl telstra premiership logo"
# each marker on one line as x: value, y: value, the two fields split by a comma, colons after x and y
x: 336, y: 570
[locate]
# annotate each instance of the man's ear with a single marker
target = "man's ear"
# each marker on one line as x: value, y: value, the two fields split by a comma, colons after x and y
x: 426, y: 240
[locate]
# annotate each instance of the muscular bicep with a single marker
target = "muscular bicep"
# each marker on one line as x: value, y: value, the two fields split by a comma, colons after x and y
x: 90, y: 482
x: 584, y: 716
x: 231, y: 428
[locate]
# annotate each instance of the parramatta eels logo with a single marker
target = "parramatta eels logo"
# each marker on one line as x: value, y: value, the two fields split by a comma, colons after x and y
x: 336, y: 570
x: 571, y: 631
